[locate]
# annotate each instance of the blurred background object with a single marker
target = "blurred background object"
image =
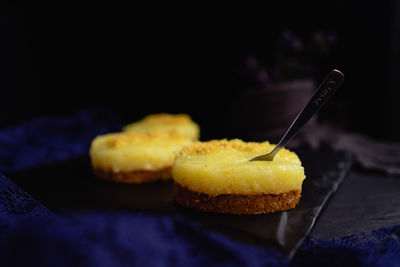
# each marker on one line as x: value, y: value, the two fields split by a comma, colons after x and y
x: 58, y: 57
x: 270, y: 95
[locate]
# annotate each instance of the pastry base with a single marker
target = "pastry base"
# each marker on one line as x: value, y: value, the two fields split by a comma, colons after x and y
x: 134, y: 177
x: 236, y: 204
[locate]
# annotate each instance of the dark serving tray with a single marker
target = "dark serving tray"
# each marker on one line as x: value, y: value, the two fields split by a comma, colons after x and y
x: 69, y: 187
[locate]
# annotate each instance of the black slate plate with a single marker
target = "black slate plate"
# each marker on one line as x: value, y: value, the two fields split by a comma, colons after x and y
x: 69, y: 186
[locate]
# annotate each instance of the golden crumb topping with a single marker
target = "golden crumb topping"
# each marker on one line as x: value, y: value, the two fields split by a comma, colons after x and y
x: 167, y: 118
x: 199, y: 148
x: 161, y: 119
x: 180, y: 123
x: 123, y: 139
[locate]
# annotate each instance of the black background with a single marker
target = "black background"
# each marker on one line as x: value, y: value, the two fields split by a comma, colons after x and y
x: 57, y: 57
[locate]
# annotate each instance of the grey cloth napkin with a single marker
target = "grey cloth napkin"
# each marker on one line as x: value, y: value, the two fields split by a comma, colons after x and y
x: 368, y: 153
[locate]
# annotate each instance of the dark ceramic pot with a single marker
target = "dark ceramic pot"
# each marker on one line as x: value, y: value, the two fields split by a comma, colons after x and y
x: 259, y: 114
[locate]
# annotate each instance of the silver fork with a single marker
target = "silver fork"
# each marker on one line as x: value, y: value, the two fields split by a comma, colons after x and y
x: 325, y: 90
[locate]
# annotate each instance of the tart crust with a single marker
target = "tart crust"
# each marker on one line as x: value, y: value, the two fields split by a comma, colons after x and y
x: 134, y: 177
x: 235, y: 203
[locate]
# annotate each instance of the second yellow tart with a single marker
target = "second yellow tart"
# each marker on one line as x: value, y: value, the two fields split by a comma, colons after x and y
x: 135, y: 157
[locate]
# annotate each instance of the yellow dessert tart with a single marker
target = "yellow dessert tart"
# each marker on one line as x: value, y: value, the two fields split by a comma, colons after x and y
x: 179, y: 123
x: 135, y: 157
x: 217, y: 176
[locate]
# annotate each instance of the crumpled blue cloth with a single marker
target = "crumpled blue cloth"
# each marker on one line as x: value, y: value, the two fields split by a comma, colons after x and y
x: 49, y: 139
x: 31, y: 235
x: 120, y: 239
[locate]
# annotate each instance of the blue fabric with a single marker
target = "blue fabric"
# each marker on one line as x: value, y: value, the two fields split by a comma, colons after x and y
x: 49, y: 139
x: 104, y: 239
x: 31, y: 235
x: 379, y: 248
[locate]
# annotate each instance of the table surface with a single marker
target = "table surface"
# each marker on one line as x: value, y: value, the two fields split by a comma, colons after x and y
x: 364, y: 202
x: 68, y: 187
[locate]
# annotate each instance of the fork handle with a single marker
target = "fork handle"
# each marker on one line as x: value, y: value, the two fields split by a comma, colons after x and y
x: 325, y: 90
